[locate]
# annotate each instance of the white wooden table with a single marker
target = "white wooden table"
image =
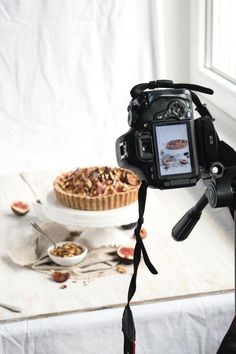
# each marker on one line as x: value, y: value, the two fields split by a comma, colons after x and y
x: 203, y: 265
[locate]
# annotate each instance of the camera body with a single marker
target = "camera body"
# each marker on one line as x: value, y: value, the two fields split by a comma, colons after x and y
x: 165, y: 146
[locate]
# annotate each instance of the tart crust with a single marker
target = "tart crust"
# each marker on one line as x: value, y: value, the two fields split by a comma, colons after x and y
x: 111, y: 200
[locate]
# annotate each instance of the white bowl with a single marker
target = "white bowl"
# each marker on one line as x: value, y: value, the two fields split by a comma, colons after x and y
x: 68, y: 261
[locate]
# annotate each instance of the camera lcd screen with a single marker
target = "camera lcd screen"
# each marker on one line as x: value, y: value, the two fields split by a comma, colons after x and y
x: 173, y: 149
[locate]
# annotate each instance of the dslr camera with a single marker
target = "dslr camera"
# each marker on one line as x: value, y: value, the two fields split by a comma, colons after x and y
x: 165, y: 145
x: 168, y: 148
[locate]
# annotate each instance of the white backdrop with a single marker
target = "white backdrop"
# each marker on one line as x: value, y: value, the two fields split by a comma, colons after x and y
x: 66, y: 69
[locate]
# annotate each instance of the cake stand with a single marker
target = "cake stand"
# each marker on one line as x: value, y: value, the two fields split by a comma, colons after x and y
x: 99, y: 228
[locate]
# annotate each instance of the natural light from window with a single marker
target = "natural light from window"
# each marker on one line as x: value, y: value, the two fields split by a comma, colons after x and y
x: 221, y: 38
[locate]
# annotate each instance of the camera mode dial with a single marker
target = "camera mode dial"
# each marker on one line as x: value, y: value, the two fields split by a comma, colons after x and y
x: 177, y: 109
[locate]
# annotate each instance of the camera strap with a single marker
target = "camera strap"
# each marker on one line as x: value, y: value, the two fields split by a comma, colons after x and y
x: 137, y: 89
x: 201, y: 108
x: 128, y: 326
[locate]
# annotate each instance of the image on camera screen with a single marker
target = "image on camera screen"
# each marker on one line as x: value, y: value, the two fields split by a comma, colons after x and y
x: 173, y: 149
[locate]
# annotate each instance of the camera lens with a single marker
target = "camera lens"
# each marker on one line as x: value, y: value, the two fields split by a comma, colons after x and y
x: 177, y: 109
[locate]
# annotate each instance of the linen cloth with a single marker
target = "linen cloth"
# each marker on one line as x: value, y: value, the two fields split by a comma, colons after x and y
x: 33, y: 253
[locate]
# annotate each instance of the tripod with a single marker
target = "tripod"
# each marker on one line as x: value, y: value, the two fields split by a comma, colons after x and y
x: 220, y: 192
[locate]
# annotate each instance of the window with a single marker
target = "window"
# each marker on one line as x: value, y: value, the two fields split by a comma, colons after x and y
x: 213, y: 51
x: 220, y: 43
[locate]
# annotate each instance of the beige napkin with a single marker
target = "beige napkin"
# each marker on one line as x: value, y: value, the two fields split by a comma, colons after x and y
x: 33, y: 253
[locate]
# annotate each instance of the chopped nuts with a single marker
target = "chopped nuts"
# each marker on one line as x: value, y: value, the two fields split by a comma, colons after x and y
x: 96, y: 181
x: 121, y: 269
x: 63, y: 286
x: 69, y: 249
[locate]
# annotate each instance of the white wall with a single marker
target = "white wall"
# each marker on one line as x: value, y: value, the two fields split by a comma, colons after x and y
x: 66, y: 69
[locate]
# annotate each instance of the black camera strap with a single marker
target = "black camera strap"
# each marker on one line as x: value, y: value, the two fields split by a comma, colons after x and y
x: 201, y: 108
x: 137, y: 89
x: 128, y: 326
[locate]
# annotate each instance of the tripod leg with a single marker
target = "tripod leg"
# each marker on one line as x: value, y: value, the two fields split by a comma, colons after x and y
x: 228, y: 345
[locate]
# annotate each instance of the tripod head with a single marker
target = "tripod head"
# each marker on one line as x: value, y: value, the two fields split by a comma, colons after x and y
x: 220, y: 191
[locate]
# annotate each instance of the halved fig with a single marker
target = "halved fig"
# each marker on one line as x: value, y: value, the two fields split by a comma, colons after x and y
x: 20, y: 208
x: 126, y: 253
x: 60, y: 277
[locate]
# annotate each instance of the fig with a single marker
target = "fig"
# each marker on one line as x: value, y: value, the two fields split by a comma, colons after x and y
x: 60, y: 277
x: 20, y: 208
x: 143, y: 233
x: 126, y: 253
x: 132, y: 179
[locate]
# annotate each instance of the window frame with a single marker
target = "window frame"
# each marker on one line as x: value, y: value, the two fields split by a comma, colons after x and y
x: 224, y: 98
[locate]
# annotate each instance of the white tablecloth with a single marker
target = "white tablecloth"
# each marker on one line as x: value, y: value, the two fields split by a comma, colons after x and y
x: 191, y: 273
x: 186, y: 326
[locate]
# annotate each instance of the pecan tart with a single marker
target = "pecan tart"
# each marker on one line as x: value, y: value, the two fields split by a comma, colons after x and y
x: 176, y: 144
x: 97, y: 188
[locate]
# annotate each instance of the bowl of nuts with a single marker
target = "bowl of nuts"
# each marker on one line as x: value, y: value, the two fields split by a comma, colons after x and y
x: 67, y: 253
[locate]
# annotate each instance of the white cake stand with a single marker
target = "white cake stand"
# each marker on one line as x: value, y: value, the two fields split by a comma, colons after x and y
x: 100, y: 228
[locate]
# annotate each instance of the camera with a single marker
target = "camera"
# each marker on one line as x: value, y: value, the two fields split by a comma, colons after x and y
x: 165, y: 145
x: 168, y: 148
